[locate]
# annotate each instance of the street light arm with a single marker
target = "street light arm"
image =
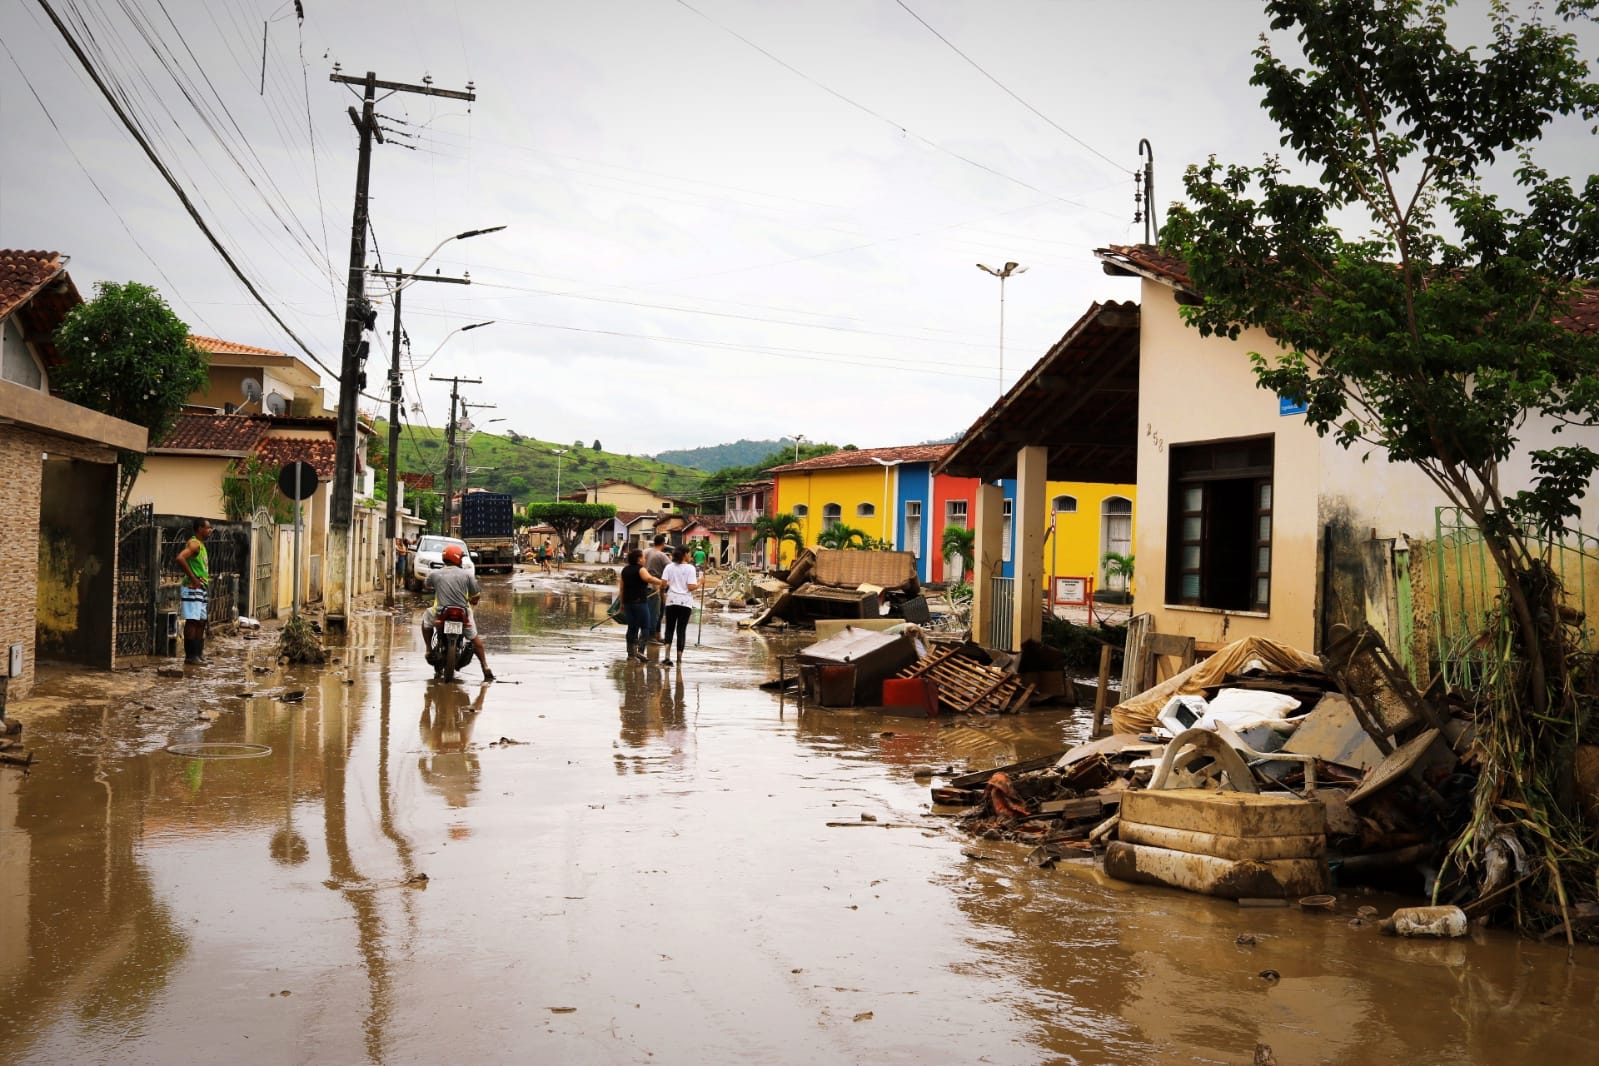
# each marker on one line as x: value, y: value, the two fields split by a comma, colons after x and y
x: 437, y: 348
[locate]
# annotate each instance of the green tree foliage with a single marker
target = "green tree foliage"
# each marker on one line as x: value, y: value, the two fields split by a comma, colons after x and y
x: 596, y: 445
x: 783, y: 528
x: 569, y: 520
x: 251, y: 485
x: 714, y: 488
x: 958, y: 540
x: 841, y: 535
x: 1432, y: 338
x: 128, y: 355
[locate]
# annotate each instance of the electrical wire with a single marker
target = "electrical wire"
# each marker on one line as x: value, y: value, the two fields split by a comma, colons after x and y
x: 1007, y: 91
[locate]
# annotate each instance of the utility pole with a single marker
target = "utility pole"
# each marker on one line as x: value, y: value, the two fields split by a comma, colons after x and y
x: 342, y: 507
x: 465, y: 467
x: 449, y: 443
x: 400, y: 279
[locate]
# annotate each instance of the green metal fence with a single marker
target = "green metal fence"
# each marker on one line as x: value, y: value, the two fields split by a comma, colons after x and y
x: 1466, y: 585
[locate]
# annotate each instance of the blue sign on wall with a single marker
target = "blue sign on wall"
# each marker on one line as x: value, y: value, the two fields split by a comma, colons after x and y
x: 1286, y: 407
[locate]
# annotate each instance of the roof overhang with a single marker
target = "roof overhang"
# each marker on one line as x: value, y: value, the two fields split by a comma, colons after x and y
x: 1080, y: 401
x: 43, y: 413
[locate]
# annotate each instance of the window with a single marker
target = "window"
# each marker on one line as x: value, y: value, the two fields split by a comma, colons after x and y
x: 955, y: 513
x: 865, y: 510
x: 800, y: 510
x: 1064, y: 505
x: 1218, y: 545
x: 832, y: 515
x: 913, y: 527
x: 1007, y: 523
x: 1115, y: 535
x: 17, y: 361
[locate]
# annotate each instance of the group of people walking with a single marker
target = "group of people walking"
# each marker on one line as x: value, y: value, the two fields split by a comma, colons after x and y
x: 654, y: 588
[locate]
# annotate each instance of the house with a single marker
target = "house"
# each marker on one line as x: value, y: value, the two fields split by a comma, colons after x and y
x: 883, y: 492
x: 742, y: 507
x: 255, y: 380
x: 59, y: 472
x: 1249, y: 523
x: 627, y: 496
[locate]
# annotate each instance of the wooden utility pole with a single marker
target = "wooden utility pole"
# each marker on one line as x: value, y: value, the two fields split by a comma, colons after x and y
x: 342, y: 508
x: 401, y: 280
x: 449, y: 444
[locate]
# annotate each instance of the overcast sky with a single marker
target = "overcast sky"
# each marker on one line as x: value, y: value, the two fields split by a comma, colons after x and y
x: 708, y: 238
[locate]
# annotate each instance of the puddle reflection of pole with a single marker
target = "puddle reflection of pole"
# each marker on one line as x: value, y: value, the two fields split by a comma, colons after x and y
x: 341, y: 869
x: 402, y: 846
x: 289, y: 847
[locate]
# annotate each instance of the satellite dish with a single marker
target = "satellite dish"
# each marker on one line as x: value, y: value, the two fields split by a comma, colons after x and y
x: 276, y: 404
x: 252, y: 390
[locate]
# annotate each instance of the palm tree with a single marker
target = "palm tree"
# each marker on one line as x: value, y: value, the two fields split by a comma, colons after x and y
x: 782, y: 528
x: 958, y: 540
x: 840, y: 535
x: 1118, y: 570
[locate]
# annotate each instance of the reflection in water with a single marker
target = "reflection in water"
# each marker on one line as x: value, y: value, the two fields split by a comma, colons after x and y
x: 450, y: 766
x: 654, y: 718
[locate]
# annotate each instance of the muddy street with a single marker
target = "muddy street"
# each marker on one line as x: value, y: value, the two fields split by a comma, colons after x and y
x: 594, y: 861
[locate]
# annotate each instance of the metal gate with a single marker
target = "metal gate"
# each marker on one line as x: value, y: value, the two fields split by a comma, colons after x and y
x: 1002, y: 614
x: 262, y: 556
x: 138, y: 574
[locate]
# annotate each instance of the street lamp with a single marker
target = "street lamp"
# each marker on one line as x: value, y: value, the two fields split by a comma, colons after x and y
x: 888, y: 514
x: 1004, y: 272
x: 402, y: 280
x: 558, y: 452
x: 797, y: 438
x: 415, y: 366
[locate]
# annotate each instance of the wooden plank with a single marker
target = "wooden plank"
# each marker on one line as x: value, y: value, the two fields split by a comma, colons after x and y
x: 979, y: 778
x: 1134, y: 655
x: 1101, y: 696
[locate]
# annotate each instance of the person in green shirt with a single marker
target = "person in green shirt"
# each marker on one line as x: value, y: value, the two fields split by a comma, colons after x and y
x: 196, y: 592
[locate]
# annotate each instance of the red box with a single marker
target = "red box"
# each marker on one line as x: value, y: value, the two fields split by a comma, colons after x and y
x: 918, y: 693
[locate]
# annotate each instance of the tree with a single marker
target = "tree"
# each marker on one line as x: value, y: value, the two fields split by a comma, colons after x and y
x: 1118, y: 569
x: 569, y: 520
x: 596, y: 445
x: 251, y: 485
x: 127, y: 355
x: 840, y: 535
x: 783, y: 528
x: 958, y: 540
x: 1436, y: 336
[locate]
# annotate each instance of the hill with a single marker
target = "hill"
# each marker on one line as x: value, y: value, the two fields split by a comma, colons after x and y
x: 526, y: 468
x: 716, y: 457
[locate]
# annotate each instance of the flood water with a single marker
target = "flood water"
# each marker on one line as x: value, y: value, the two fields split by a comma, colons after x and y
x: 646, y: 875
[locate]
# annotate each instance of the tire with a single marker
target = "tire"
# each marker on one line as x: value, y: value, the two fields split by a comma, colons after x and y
x: 449, y: 658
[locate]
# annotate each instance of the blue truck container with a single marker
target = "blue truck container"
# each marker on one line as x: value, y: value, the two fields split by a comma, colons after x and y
x: 488, y: 525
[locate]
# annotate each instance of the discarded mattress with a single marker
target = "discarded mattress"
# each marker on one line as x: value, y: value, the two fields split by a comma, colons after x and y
x: 1138, y: 714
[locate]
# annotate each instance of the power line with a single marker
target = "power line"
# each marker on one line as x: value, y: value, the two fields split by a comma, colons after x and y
x: 902, y: 129
x: 1007, y: 91
x: 172, y: 182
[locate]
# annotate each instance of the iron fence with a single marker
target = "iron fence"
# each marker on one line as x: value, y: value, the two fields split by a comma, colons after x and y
x: 1002, y: 614
x: 1466, y: 587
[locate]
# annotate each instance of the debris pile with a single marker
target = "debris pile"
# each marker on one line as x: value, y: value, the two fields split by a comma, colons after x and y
x: 1258, y: 772
x: 837, y: 583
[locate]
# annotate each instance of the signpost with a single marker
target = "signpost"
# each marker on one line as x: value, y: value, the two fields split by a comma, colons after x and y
x: 297, y: 481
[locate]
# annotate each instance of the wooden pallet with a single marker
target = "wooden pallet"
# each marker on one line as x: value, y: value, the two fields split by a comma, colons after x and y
x: 969, y: 687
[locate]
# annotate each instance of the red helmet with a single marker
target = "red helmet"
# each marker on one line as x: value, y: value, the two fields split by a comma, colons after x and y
x: 453, y: 555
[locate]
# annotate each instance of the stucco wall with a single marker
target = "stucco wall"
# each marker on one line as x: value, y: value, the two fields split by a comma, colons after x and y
x: 1194, y: 390
x: 183, y: 484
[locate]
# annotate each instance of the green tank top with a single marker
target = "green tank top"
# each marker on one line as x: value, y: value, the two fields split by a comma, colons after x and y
x: 200, y: 565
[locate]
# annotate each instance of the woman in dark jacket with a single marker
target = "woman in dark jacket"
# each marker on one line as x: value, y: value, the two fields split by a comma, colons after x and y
x: 635, y: 582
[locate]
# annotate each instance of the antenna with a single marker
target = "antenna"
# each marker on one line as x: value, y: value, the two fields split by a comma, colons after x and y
x: 276, y: 404
x: 251, y: 389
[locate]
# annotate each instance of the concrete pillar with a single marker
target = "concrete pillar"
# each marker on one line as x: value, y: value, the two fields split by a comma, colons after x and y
x: 988, y: 555
x: 1029, y: 521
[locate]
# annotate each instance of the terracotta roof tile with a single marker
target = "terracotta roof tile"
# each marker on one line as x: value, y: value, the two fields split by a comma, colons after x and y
x: 1584, y: 314
x: 1149, y: 261
x: 221, y: 347
x: 24, y: 273
x: 417, y: 482
x: 913, y: 453
x: 280, y: 450
x: 215, y: 433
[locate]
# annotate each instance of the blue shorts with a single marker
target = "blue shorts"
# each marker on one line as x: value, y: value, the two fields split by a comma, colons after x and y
x: 195, y: 602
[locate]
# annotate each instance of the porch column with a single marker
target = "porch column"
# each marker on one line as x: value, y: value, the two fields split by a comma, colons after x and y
x: 1028, y: 522
x: 987, y: 555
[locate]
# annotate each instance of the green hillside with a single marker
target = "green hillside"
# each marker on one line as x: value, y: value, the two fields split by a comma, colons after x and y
x: 721, y: 456
x: 526, y: 468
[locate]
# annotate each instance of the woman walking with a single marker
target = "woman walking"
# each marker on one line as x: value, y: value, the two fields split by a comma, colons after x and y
x: 634, y: 583
x: 681, y: 580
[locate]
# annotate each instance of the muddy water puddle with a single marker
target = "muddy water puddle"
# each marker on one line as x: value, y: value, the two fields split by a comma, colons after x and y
x: 602, y: 862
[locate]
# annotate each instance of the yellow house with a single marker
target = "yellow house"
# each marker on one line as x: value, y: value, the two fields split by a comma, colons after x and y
x: 1082, y: 522
x: 626, y: 496
x: 880, y: 491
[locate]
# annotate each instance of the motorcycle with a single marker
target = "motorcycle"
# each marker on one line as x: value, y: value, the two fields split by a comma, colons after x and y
x: 451, y: 650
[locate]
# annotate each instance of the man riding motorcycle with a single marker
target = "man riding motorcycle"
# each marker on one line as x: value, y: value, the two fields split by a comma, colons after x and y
x: 454, y: 587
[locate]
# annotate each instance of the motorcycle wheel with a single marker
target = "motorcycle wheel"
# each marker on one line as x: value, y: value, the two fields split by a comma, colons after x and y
x: 449, y: 659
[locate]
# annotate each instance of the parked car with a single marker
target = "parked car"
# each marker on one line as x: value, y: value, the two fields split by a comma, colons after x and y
x: 429, y: 555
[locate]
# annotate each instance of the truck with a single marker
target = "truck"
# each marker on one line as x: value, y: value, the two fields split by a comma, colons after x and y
x: 488, y: 525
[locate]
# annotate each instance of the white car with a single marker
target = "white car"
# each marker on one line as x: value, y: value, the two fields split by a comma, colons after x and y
x: 429, y: 555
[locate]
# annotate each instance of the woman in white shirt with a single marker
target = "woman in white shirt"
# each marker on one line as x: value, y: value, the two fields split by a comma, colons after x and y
x: 681, y: 582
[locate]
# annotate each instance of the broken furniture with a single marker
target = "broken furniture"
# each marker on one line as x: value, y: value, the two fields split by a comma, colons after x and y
x: 847, y: 670
x: 966, y: 686
x: 834, y: 583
